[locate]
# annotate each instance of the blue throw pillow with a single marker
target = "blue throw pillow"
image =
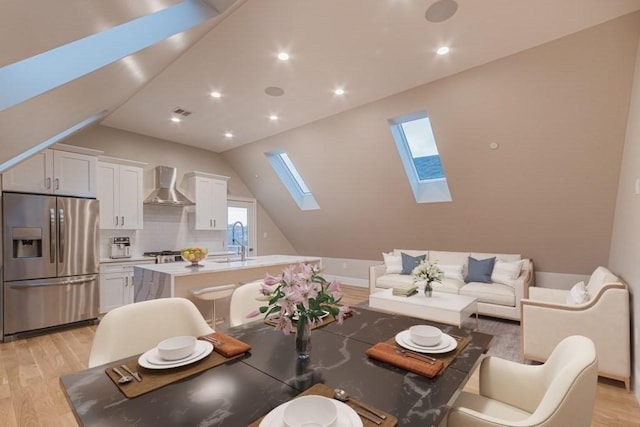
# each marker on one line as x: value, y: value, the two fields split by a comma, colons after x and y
x: 480, y: 270
x: 410, y: 262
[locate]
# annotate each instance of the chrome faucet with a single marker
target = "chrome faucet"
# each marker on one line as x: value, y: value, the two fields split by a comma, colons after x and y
x: 234, y: 241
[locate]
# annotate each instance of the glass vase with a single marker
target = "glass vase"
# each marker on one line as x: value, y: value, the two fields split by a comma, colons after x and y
x: 428, y: 289
x: 303, y: 338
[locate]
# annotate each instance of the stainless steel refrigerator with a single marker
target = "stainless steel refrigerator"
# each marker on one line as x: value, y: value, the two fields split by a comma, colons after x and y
x: 51, y: 261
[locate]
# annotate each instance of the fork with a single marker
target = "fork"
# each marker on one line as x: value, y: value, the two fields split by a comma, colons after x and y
x: 213, y: 340
x: 421, y: 357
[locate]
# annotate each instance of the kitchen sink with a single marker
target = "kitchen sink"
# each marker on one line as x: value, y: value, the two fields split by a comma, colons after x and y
x: 234, y: 259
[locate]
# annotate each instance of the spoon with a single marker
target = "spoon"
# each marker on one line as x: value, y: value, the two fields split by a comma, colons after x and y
x: 343, y: 396
x: 123, y: 378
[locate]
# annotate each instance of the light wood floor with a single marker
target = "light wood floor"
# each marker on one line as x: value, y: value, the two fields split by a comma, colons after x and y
x: 30, y: 392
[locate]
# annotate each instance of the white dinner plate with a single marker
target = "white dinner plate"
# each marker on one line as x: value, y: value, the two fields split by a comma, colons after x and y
x: 347, y: 417
x: 151, y: 360
x: 405, y: 338
x: 447, y: 344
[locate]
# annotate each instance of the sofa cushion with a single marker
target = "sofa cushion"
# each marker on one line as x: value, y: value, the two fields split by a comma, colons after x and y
x: 392, y: 263
x: 578, y: 294
x: 393, y: 280
x: 501, y: 257
x: 492, y: 293
x: 452, y: 271
x: 450, y: 286
x: 480, y: 270
x: 449, y: 258
x: 410, y: 262
x: 506, y: 272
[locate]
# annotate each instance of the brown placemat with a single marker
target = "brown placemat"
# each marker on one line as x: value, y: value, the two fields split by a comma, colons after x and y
x: 323, y: 390
x: 388, y: 353
x: 227, y: 345
x: 153, y: 379
x: 446, y: 358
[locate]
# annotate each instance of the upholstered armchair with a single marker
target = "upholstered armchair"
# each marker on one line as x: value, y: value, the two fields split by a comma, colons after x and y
x: 600, y: 311
x: 559, y: 393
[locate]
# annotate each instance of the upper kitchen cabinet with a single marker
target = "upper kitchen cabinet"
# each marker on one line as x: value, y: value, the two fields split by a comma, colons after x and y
x: 120, y: 191
x: 66, y: 172
x: 209, y: 192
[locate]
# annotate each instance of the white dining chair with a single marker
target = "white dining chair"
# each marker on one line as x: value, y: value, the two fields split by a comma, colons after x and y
x: 559, y: 393
x: 244, y: 300
x: 135, y: 328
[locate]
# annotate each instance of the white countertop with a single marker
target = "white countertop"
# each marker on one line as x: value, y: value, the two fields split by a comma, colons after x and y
x: 183, y: 269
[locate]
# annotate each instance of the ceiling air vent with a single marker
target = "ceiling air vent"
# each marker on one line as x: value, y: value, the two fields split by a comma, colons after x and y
x: 181, y: 111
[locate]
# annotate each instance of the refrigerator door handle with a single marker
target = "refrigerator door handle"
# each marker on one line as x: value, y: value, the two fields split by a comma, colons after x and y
x: 61, y: 235
x: 40, y: 283
x: 52, y: 235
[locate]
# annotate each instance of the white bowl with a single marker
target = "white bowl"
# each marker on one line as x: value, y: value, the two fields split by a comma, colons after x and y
x: 425, y: 335
x: 310, y: 411
x: 177, y: 347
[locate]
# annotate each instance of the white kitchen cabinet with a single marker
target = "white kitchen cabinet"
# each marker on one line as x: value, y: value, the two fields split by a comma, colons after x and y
x: 52, y: 171
x: 116, y: 283
x: 209, y: 192
x: 120, y: 192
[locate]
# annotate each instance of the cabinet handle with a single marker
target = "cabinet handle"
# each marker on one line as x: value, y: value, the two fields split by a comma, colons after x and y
x: 57, y: 181
x: 214, y: 223
x: 116, y: 220
x: 210, y: 223
x: 122, y: 220
x: 48, y: 183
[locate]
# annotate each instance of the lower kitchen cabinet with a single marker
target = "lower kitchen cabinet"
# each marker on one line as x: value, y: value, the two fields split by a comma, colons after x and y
x: 116, y: 283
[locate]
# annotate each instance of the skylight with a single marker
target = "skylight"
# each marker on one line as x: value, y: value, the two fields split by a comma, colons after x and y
x: 292, y: 180
x: 418, y: 151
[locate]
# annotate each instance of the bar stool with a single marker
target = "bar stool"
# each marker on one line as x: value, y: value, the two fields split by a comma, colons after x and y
x: 212, y: 294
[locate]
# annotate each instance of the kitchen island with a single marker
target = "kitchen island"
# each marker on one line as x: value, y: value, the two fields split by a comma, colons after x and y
x: 176, y: 279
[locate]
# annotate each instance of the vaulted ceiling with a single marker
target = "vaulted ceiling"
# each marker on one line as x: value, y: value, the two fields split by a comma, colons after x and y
x: 371, y: 49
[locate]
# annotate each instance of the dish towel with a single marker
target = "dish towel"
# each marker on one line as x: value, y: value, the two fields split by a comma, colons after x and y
x: 388, y: 353
x: 230, y: 346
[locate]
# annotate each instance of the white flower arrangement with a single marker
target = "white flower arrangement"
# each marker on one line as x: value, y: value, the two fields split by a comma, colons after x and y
x: 427, y: 271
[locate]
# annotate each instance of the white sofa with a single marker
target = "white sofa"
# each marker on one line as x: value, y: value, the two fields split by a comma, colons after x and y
x: 548, y: 317
x: 494, y: 299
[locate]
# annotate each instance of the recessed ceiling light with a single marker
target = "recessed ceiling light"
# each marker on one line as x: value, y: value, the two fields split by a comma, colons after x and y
x: 339, y: 91
x: 176, y: 119
x: 283, y: 56
x: 228, y: 135
x: 273, y: 117
x: 216, y: 94
x: 443, y: 50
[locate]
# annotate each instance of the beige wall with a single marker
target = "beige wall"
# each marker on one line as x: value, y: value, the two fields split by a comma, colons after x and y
x: 156, y: 152
x: 557, y: 111
x: 625, y: 243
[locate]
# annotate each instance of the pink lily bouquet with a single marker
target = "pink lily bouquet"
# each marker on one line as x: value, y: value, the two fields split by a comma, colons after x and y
x: 300, y: 293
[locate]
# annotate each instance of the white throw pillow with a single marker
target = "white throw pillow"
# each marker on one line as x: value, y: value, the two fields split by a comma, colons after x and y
x: 578, y: 294
x: 506, y: 272
x: 392, y: 263
x: 452, y: 271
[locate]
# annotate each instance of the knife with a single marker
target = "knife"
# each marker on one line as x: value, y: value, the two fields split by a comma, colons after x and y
x: 367, y: 416
x: 135, y: 375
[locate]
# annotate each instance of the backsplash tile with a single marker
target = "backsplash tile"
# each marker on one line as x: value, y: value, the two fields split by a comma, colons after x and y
x: 165, y: 228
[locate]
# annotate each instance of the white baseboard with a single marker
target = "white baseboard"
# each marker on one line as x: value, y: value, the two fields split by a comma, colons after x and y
x: 350, y: 281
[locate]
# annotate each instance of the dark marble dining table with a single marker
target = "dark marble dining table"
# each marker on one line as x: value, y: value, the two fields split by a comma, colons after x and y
x: 245, y: 389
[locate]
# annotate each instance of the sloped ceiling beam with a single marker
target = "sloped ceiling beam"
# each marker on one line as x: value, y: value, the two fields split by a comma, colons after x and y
x: 41, y: 73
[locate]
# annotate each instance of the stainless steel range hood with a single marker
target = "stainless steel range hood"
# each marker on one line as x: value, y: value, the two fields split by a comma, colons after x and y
x: 166, y: 193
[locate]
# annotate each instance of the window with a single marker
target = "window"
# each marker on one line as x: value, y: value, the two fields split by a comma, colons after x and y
x: 420, y: 157
x: 243, y: 210
x: 292, y: 180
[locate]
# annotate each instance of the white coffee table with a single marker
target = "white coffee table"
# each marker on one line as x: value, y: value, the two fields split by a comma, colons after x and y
x: 440, y: 307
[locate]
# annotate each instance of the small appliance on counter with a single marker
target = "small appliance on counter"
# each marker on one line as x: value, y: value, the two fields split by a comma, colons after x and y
x: 121, y: 248
x: 163, y: 257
